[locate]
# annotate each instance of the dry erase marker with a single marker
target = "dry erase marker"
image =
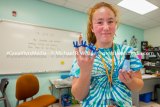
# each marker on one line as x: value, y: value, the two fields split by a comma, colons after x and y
x: 126, y: 65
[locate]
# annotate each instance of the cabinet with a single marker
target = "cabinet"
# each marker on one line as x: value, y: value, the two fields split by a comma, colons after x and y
x: 151, y: 62
x: 149, y: 83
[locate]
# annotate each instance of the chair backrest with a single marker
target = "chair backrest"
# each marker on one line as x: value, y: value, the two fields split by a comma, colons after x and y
x: 3, y: 85
x: 27, y: 86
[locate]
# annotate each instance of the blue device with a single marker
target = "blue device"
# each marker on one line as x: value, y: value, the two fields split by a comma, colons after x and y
x: 126, y: 64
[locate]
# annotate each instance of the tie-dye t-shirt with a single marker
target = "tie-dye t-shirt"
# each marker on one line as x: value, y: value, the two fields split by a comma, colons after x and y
x: 100, y: 92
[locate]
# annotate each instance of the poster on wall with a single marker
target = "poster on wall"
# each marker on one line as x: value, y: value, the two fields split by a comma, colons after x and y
x: 144, y: 45
x: 134, y: 42
x: 125, y: 42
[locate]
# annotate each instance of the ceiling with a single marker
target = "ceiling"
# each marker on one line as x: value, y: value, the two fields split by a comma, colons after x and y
x: 147, y: 21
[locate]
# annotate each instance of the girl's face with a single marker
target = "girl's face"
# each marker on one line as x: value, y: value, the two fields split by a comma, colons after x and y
x: 104, y: 25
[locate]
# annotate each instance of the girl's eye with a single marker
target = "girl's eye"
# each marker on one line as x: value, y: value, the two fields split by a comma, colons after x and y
x: 99, y: 22
x: 110, y: 22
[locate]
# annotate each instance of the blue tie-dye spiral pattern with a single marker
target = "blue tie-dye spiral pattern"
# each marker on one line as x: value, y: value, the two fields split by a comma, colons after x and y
x: 100, y: 92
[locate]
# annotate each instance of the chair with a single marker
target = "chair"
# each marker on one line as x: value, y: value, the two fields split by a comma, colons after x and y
x: 27, y: 86
x: 3, y: 85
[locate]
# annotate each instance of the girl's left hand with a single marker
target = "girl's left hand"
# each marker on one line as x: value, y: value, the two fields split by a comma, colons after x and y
x: 125, y: 76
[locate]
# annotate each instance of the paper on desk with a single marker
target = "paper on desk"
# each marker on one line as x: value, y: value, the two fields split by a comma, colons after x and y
x: 64, y: 82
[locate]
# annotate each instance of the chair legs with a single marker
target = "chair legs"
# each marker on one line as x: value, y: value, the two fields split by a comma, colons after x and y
x: 3, y: 85
x: 17, y: 103
x: 6, y: 101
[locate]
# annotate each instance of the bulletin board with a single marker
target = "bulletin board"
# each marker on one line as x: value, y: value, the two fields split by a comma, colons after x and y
x: 29, y: 48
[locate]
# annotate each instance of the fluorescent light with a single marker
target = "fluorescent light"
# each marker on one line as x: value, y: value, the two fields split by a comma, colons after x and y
x: 139, y: 6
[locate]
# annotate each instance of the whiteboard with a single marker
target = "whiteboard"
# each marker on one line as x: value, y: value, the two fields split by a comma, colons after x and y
x: 29, y: 48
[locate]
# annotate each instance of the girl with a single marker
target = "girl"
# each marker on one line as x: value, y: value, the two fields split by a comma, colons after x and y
x: 99, y: 80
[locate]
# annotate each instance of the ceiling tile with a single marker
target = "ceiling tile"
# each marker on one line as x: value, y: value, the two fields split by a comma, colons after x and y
x: 131, y: 22
x: 157, y: 19
x: 146, y: 21
x: 75, y: 6
x: 155, y: 2
x: 153, y: 14
x: 84, y: 3
x: 150, y: 23
x: 57, y: 2
x: 108, y: 1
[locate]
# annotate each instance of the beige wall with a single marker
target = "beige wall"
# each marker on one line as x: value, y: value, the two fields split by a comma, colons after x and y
x: 152, y: 36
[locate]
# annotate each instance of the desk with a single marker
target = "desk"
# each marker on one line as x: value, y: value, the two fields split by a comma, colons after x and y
x: 149, y: 82
x: 59, y: 88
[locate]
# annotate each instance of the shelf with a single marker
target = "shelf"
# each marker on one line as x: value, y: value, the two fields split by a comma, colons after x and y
x: 155, y: 59
x: 151, y: 67
x: 152, y: 51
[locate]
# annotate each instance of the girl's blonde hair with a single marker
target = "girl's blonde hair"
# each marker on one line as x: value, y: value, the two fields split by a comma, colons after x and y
x: 90, y: 35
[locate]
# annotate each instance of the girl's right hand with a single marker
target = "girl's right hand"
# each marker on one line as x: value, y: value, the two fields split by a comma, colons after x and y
x: 84, y: 60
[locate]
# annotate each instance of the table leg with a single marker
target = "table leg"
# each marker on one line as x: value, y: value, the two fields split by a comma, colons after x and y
x: 60, y: 102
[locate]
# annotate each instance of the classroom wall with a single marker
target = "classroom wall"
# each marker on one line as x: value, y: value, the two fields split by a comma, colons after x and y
x: 44, y: 14
x: 150, y: 35
x: 126, y: 32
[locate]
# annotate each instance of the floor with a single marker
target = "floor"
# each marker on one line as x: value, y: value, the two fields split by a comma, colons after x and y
x: 151, y: 104
x: 142, y: 104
